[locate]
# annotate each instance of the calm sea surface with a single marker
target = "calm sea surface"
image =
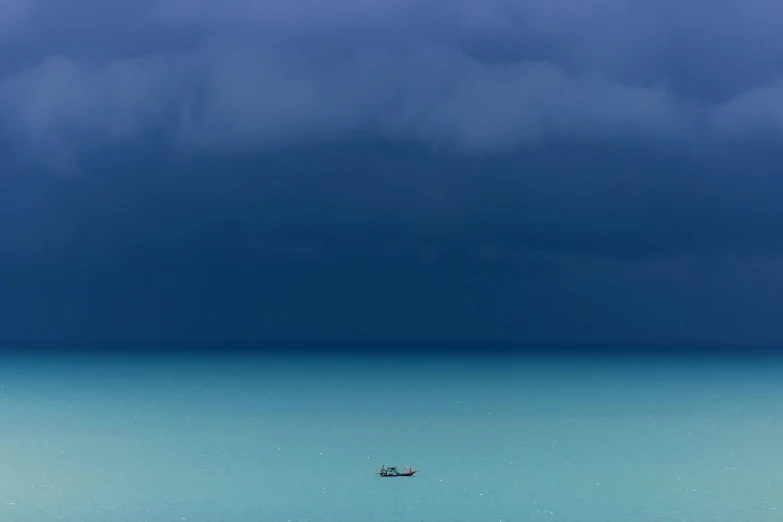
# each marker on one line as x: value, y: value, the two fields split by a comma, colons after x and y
x: 250, y: 439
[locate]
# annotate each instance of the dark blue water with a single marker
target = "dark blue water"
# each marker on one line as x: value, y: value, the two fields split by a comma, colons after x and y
x: 270, y: 438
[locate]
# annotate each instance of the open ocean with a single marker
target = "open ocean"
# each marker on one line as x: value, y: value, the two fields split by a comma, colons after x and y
x: 497, y: 439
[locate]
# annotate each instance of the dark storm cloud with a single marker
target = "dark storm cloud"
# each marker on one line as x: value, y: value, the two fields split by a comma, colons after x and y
x: 472, y: 77
x: 483, y: 79
x: 475, y: 170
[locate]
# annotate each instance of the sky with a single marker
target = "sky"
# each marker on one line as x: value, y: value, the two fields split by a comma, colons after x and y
x: 357, y: 171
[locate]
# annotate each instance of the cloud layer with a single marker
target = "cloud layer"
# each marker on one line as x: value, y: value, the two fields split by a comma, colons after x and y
x: 458, y: 76
x: 426, y: 169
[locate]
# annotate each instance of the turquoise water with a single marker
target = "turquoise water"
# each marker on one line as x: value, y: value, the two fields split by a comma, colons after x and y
x: 250, y: 439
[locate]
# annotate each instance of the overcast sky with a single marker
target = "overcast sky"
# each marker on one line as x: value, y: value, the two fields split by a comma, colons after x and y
x: 413, y: 171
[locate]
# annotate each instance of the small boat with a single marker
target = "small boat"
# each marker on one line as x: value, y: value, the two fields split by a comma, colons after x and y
x: 394, y: 472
